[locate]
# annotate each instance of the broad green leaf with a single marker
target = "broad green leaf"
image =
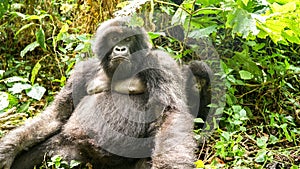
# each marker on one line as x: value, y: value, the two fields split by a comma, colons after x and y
x: 273, y: 139
x: 243, y: 114
x: 291, y: 6
x: 36, y: 92
x: 74, y: 163
x: 15, y: 79
x: 245, y: 75
x: 236, y: 108
x: 62, y: 31
x: 40, y: 37
x: 83, y: 38
x: 198, y: 120
x: 242, y: 23
x: 79, y: 47
x: 18, y: 88
x: 4, y: 102
x: 243, y: 59
x: 262, y: 142
x: 261, y: 156
x: 179, y: 17
x: 198, y: 33
x: 154, y: 35
x: 24, y: 107
x: 291, y: 36
x: 225, y: 135
x: 29, y: 47
x: 34, y: 72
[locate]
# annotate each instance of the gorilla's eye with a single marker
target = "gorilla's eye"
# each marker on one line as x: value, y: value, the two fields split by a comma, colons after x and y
x: 115, y: 39
x: 128, y: 39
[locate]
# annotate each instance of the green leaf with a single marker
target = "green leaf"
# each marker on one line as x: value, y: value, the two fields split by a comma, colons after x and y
x: 15, y: 79
x: 245, y: 2
x: 179, y: 17
x: 291, y: 6
x: 261, y: 156
x: 18, y: 14
x: 243, y: 58
x: 24, y: 107
x: 74, y: 163
x: 36, y: 92
x: 242, y: 23
x: 29, y: 47
x: 225, y: 135
x: 79, y: 47
x: 18, y: 88
x: 262, y: 142
x: 4, y: 102
x: 273, y: 139
x: 245, y: 75
x: 33, y: 17
x: 1, y: 73
x: 34, y: 72
x: 291, y: 36
x: 40, y: 38
x: 23, y: 28
x: 154, y: 35
x: 3, y: 8
x: 286, y: 132
x: 198, y: 33
x: 198, y: 120
x: 199, y: 164
x: 62, y: 31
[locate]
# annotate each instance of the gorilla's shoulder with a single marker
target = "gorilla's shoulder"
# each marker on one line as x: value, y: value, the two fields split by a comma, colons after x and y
x: 165, y: 59
x: 87, y: 65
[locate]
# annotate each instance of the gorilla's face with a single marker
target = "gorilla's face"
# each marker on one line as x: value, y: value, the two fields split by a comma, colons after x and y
x: 121, y: 52
x: 116, y: 45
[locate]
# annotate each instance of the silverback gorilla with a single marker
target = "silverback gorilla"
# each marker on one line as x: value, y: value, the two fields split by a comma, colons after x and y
x: 112, y: 130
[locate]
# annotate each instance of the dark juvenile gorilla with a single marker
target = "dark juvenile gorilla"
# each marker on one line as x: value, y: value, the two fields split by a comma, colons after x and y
x: 150, y: 129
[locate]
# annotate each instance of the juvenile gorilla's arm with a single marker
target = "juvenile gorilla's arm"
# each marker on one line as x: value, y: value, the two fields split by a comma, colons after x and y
x: 38, y: 129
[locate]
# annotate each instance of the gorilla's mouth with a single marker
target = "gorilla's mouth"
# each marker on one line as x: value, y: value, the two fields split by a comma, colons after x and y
x: 120, y: 58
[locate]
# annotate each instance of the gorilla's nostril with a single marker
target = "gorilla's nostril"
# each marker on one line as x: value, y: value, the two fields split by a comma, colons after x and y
x: 120, y: 50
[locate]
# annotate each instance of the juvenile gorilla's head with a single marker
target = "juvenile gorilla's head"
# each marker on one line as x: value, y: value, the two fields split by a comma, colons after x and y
x: 116, y: 41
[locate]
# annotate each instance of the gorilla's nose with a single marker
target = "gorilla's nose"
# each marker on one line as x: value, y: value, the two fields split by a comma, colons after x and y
x: 120, y: 50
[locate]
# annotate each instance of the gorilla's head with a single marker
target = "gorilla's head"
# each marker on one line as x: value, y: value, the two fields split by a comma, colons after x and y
x: 116, y: 41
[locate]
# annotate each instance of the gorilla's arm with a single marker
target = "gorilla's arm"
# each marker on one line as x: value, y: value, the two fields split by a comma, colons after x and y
x: 39, y: 128
x: 174, y: 142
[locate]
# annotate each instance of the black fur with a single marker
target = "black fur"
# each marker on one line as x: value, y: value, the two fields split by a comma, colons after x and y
x: 112, y: 130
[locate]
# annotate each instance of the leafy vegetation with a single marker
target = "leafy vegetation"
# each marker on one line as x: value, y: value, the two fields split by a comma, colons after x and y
x: 258, y: 47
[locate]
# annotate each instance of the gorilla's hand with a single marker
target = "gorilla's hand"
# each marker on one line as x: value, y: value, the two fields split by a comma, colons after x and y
x: 101, y: 83
x: 6, y: 156
x: 130, y: 86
